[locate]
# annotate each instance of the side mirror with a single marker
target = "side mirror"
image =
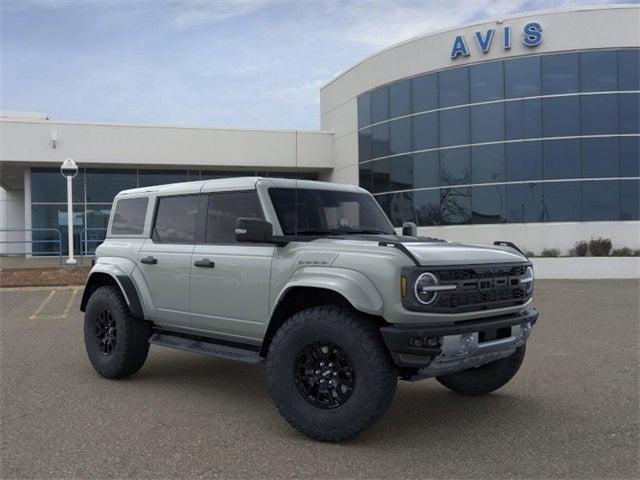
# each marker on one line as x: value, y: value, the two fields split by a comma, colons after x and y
x: 409, y: 229
x: 253, y: 230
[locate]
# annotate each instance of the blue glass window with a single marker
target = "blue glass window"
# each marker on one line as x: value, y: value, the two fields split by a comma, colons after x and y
x: 366, y: 177
x: 427, y: 207
x: 364, y: 110
x: 401, y: 208
x: 599, y: 71
x: 487, y: 164
x: 630, y: 156
x: 364, y: 144
x: 561, y: 159
x: 523, y: 119
x: 560, y: 73
x: 425, y: 131
x: 600, y: 157
x: 629, y: 113
x: 380, y: 140
x: 381, y: 172
x: 600, y: 200
x: 629, y: 69
x: 401, y: 177
x: 561, y: 116
x: 522, y: 77
x: 455, y: 166
x: 54, y: 216
x: 488, y: 204
x: 455, y: 205
x: 424, y: 93
x: 161, y: 177
x: 524, y: 203
x: 454, y: 127
x: 630, y: 200
x: 487, y: 123
x: 400, y: 98
x: 487, y: 81
x: 562, y: 201
x: 400, y: 135
x: 426, y: 169
x: 379, y: 105
x: 49, y: 186
x: 103, y: 185
x: 523, y: 161
x: 599, y: 114
x: 453, y: 86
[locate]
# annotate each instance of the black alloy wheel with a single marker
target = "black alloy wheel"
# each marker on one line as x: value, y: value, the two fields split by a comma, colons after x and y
x: 106, y: 332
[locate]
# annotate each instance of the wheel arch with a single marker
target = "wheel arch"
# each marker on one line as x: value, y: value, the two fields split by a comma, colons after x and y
x: 118, y: 279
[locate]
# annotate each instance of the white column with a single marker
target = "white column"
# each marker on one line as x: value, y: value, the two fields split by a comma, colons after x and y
x: 70, y: 260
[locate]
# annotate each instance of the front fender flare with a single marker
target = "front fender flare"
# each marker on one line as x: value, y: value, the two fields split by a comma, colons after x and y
x: 359, y: 291
x: 120, y: 274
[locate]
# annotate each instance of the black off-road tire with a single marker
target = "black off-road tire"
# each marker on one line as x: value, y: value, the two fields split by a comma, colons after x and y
x: 484, y: 379
x: 374, y: 372
x: 132, y: 340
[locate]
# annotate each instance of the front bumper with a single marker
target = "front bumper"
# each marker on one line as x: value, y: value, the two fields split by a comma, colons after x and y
x: 437, y: 349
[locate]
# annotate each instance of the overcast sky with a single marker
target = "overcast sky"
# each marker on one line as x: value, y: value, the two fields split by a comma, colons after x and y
x: 243, y: 63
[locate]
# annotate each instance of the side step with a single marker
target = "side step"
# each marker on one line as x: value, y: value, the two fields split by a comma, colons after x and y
x: 207, y: 347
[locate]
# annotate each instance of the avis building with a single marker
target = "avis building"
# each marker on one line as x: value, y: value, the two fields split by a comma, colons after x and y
x: 524, y: 128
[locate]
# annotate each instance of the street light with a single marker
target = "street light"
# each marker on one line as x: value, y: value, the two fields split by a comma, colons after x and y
x: 69, y: 169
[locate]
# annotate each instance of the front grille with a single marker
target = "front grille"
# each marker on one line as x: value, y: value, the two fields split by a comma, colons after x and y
x: 478, y: 288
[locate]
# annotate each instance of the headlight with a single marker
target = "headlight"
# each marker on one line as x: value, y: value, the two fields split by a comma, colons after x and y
x: 527, y: 280
x: 427, y: 287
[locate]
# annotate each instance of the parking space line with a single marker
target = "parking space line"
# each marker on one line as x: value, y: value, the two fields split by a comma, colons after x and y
x: 42, y: 305
x: 67, y: 308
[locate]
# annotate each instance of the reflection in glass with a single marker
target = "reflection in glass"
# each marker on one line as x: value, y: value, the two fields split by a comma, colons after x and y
x: 488, y: 204
x: 561, y: 159
x: 524, y: 203
x: 425, y: 131
x: 400, y: 135
x: 379, y: 104
x: 560, y: 73
x: 426, y: 169
x: 380, y: 140
x: 600, y: 200
x: 401, y: 208
x: 523, y: 119
x: 487, y: 123
x: 630, y: 200
x: 364, y: 110
x: 49, y: 186
x: 453, y: 86
x: 598, y: 71
x: 522, y: 77
x: 381, y: 176
x: 427, y: 207
x: 401, y: 177
x: 629, y: 69
x: 424, y: 93
x: 561, y: 116
x: 364, y: 144
x: 104, y: 185
x: 629, y: 113
x: 400, y: 99
x: 55, y: 217
x: 366, y: 177
x: 455, y: 166
x: 561, y: 202
x: 523, y: 161
x: 600, y: 157
x: 630, y: 157
x: 454, y: 127
x: 487, y: 163
x: 487, y: 81
x: 599, y: 114
x: 149, y: 178
x: 455, y: 205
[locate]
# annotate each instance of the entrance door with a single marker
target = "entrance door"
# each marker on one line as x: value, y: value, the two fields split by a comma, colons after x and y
x: 229, y: 280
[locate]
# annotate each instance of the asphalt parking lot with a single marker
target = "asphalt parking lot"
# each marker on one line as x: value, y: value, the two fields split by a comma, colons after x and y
x: 572, y: 411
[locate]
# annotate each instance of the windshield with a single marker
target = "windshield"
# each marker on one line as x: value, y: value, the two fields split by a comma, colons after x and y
x: 327, y: 212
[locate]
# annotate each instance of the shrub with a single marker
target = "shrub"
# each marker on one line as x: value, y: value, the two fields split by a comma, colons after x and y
x: 624, y: 252
x: 581, y: 248
x: 529, y: 253
x: 600, y: 247
x: 550, y: 252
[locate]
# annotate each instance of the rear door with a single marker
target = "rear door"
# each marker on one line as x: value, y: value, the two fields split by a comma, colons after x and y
x: 230, y: 281
x: 165, y: 258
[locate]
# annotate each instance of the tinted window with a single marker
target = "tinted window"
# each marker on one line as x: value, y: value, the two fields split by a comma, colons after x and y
x: 176, y: 219
x: 455, y: 205
x: 454, y: 127
x: 630, y: 200
x: 487, y: 123
x: 424, y: 93
x: 364, y: 144
x: 454, y: 166
x: 379, y: 105
x: 560, y: 73
x: 562, y: 201
x: 161, y: 177
x: 128, y: 216
x: 427, y: 207
x: 401, y: 172
x: 487, y: 82
x: 600, y: 157
x: 224, y: 209
x: 400, y: 98
x: 381, y: 176
x: 400, y: 135
x: 629, y: 113
x: 487, y: 164
x: 49, y: 186
x: 524, y: 203
x: 630, y: 157
x: 488, y: 204
x: 425, y: 131
x: 523, y: 161
x: 522, y: 77
x: 599, y: 114
x: 600, y: 201
x: 401, y: 208
x: 426, y: 168
x: 598, y: 71
x: 104, y: 185
x: 55, y: 217
x: 523, y: 119
x: 364, y: 110
x: 561, y: 116
x: 366, y: 179
x: 453, y: 87
x: 561, y: 159
x: 629, y: 70
x: 380, y: 141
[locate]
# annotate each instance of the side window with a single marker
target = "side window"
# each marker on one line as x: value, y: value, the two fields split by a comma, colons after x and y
x: 223, y: 211
x: 176, y: 219
x: 128, y: 216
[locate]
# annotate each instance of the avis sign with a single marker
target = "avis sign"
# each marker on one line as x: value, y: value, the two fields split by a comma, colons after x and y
x: 531, y: 37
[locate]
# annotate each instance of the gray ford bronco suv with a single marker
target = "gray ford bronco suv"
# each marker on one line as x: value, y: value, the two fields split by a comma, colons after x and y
x: 311, y: 279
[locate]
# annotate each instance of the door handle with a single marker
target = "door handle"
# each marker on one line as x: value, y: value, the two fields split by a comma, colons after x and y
x: 204, y: 263
x: 149, y: 260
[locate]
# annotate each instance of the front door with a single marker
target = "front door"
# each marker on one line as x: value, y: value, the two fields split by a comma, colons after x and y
x: 165, y: 259
x: 230, y: 281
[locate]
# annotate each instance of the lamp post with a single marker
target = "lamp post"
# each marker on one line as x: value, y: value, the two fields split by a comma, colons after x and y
x: 69, y: 169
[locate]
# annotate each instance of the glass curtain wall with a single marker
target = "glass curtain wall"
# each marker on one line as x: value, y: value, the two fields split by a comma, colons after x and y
x: 545, y: 138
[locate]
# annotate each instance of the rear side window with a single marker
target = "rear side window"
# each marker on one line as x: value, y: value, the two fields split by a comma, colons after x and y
x: 223, y: 211
x: 176, y: 219
x: 128, y: 216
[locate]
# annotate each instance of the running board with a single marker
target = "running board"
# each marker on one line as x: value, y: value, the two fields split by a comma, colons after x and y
x: 206, y: 347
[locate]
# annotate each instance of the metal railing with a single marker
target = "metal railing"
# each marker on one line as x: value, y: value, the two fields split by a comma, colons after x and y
x: 90, y: 236
x: 57, y: 241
